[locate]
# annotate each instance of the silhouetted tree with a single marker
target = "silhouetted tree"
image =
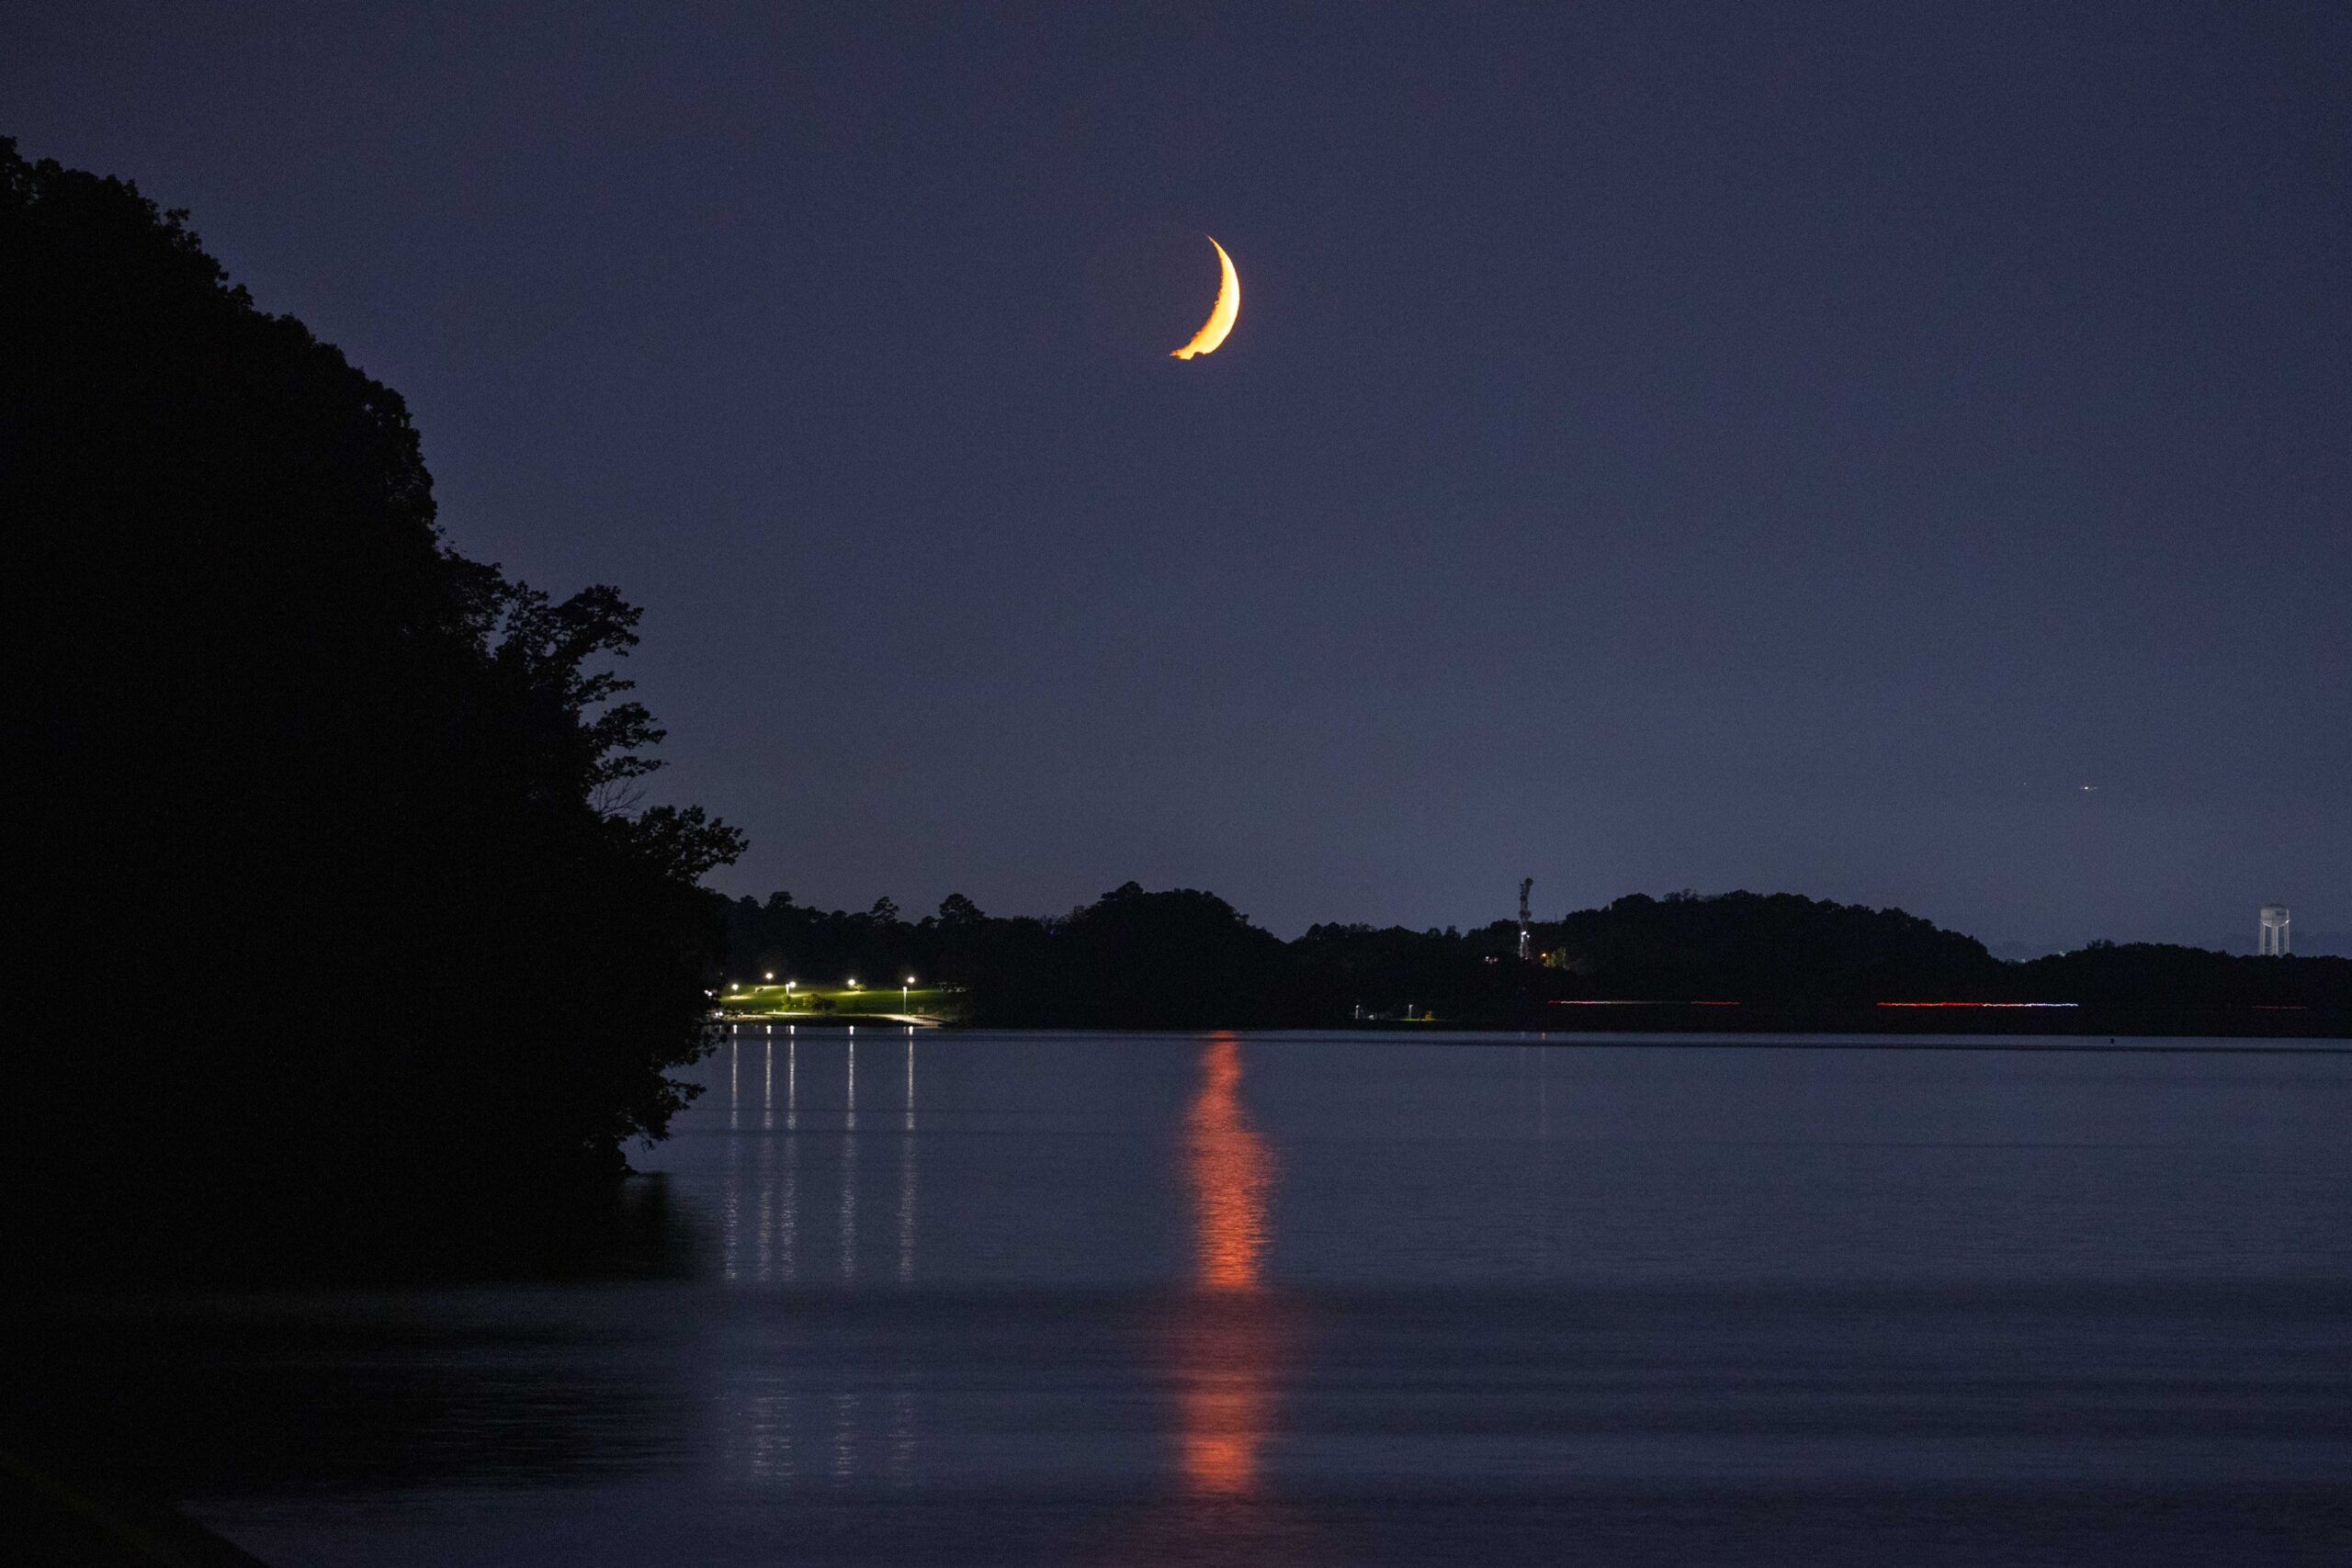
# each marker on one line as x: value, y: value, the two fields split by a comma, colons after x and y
x: 1767, y: 947
x: 416, y: 975
x: 1180, y: 958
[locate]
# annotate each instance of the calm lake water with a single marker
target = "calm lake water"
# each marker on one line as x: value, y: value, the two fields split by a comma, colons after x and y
x: 1145, y: 1299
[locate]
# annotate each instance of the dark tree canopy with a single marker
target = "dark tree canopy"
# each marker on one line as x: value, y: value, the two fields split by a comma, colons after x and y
x: 1130, y: 960
x: 343, y: 933
x: 1779, y: 946
x: 1186, y: 959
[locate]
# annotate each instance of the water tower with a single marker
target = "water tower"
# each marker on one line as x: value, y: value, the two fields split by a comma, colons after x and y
x: 2274, y: 931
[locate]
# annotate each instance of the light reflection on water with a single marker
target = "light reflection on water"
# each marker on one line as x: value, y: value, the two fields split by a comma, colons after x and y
x: 1102, y: 1300
x: 849, y: 1159
x: 907, y: 1172
x: 1228, y: 1343
x: 771, y: 1411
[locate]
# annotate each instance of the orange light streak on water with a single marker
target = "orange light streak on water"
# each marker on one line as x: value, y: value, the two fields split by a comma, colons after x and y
x: 1229, y: 1170
x: 1229, y: 1348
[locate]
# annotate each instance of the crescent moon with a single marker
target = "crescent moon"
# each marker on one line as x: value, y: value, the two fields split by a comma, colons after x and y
x: 1222, y: 316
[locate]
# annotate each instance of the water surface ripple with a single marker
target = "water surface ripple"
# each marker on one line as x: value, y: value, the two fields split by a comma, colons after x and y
x: 1078, y: 1299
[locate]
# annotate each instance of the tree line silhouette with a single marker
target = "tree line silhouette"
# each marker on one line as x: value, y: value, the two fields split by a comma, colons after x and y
x: 1188, y: 959
x: 337, y: 951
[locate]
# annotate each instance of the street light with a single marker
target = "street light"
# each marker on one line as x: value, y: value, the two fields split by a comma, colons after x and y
x: 770, y: 977
x: 902, y: 992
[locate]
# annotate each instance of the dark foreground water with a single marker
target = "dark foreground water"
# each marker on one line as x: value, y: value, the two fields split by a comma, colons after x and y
x: 1310, y: 1299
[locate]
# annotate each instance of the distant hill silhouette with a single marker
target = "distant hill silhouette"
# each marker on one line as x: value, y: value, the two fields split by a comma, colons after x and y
x: 334, y: 955
x: 1184, y: 959
x: 1775, y: 947
x: 2142, y: 975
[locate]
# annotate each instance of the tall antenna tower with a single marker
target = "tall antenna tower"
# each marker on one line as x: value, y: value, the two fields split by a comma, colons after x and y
x: 1526, y: 940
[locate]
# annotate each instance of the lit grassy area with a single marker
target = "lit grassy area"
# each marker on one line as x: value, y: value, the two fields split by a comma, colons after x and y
x: 818, y: 1001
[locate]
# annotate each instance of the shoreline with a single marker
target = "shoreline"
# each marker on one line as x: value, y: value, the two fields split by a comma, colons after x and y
x: 1712, y: 1020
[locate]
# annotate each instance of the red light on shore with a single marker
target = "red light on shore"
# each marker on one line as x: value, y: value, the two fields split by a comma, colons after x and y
x: 1980, y: 1004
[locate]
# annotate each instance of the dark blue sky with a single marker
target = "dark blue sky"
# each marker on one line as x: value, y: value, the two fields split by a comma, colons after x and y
x: 1782, y: 447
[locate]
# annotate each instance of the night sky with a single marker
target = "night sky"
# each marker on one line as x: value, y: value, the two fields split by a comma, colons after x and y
x: 1795, y: 448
